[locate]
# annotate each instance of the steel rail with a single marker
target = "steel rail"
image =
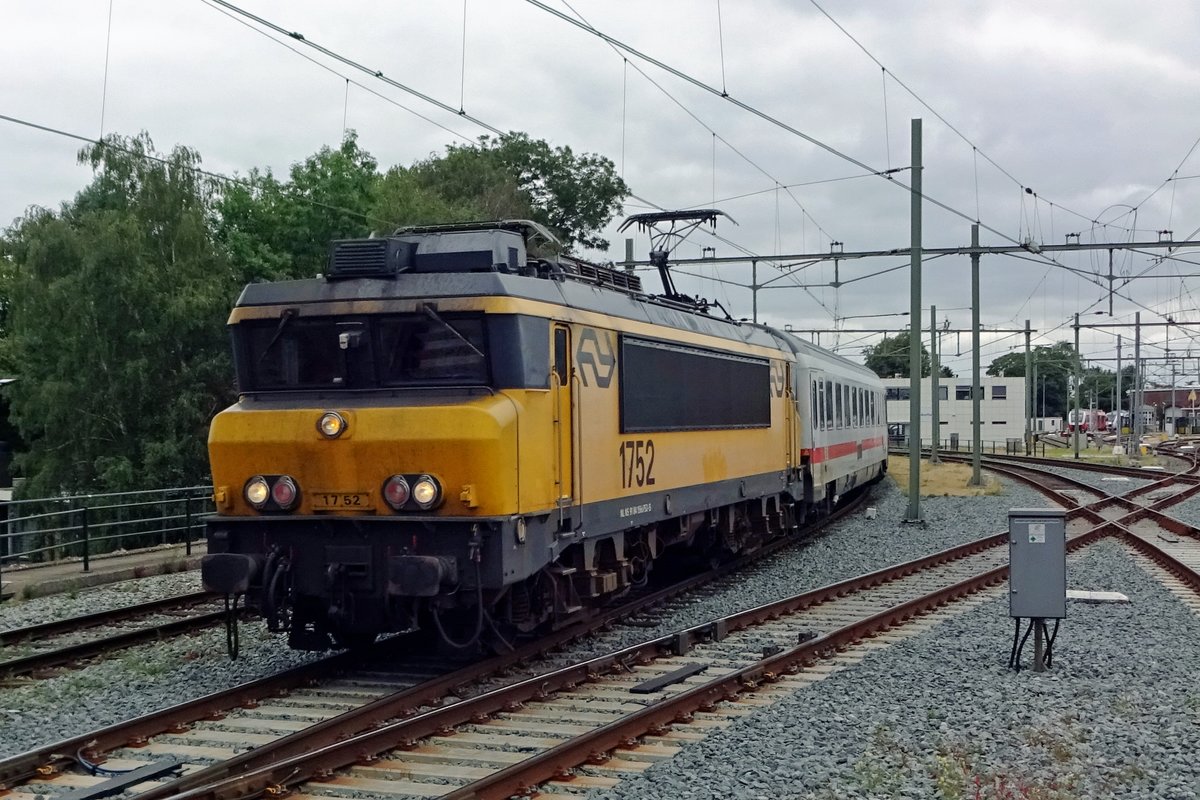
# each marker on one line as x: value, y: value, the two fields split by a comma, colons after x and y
x: 405, y: 703
x: 595, y: 746
x: 25, y: 665
x: 50, y: 759
x: 321, y: 759
x: 320, y: 762
x: 83, y: 622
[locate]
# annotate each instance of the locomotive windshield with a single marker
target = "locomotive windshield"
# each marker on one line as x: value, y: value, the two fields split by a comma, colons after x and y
x: 322, y: 353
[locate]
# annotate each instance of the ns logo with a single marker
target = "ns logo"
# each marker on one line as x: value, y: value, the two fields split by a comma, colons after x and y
x: 596, y: 357
x: 778, y: 378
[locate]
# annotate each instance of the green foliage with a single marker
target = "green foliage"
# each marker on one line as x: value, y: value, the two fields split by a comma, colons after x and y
x: 274, y: 230
x: 512, y: 176
x: 1055, y: 370
x: 402, y: 198
x: 112, y: 309
x: 116, y: 323
x: 890, y: 358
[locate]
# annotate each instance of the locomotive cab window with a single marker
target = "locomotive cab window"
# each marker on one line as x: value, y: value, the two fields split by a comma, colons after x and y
x: 330, y: 353
x: 423, y: 350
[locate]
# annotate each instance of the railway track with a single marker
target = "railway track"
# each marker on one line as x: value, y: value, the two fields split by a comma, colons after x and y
x: 586, y: 724
x: 377, y: 732
x: 31, y: 649
x: 274, y: 718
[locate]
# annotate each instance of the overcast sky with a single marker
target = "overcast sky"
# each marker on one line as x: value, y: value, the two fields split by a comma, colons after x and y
x: 1090, y: 105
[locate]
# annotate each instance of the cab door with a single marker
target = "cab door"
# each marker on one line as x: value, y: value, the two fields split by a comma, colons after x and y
x: 563, y: 445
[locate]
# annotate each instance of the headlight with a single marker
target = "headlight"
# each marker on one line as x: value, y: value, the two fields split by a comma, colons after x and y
x: 257, y: 491
x: 284, y: 492
x: 331, y: 424
x: 396, y: 492
x: 426, y: 492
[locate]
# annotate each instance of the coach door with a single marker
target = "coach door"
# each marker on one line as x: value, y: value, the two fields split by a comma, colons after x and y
x: 820, y: 414
x: 560, y: 379
x: 792, y: 403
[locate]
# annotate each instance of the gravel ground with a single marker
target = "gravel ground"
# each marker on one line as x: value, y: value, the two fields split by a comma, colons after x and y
x: 137, y: 681
x: 941, y: 716
x: 19, y: 613
x: 849, y: 548
x: 154, y: 676
x: 1188, y: 511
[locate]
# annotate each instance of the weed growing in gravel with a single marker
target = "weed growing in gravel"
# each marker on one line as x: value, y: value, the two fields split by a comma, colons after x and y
x: 141, y: 664
x: 1125, y: 705
x: 951, y: 770
x: 875, y: 770
x: 957, y: 774
x: 1057, y: 745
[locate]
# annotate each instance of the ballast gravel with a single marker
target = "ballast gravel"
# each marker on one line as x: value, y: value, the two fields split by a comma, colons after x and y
x: 941, y: 716
x: 844, y: 550
x: 135, y: 682
x: 844, y: 749
x: 18, y: 614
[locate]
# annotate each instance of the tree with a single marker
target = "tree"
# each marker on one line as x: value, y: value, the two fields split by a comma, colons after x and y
x: 513, y: 175
x: 118, y: 305
x: 1055, y: 368
x: 275, y: 230
x: 889, y: 358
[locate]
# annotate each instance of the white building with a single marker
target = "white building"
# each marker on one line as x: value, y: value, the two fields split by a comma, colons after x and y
x: 1001, y: 406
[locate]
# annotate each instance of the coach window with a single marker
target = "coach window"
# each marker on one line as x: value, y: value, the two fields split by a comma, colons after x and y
x: 846, y: 402
x: 827, y: 404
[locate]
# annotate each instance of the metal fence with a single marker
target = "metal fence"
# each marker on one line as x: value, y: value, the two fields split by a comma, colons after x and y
x: 83, y: 526
x: 1005, y: 446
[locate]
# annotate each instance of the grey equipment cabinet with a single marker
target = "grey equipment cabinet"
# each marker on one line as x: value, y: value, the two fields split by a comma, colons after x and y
x: 1037, y: 554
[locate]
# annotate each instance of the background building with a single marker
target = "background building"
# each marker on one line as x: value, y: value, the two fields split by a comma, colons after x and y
x: 1001, y: 406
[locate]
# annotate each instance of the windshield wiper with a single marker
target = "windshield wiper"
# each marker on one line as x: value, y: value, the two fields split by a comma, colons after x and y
x: 285, y: 316
x: 433, y: 315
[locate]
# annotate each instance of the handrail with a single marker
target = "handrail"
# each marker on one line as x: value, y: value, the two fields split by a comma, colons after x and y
x: 51, y: 529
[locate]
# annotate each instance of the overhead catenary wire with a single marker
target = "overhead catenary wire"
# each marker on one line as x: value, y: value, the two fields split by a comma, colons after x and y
x: 378, y: 75
x: 696, y: 118
x: 327, y: 68
x: 111, y: 144
x: 629, y: 50
x: 104, y: 85
x: 954, y: 129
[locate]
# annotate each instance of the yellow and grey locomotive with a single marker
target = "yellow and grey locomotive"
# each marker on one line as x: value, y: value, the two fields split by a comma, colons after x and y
x: 445, y: 431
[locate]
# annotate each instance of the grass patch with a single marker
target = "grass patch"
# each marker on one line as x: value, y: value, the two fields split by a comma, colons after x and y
x: 942, y: 480
x: 1102, y: 455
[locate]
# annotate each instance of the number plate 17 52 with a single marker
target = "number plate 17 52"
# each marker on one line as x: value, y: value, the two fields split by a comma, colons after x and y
x: 323, y: 501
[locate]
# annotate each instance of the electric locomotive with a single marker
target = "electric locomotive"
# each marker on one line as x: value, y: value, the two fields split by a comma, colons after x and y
x: 446, y: 431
